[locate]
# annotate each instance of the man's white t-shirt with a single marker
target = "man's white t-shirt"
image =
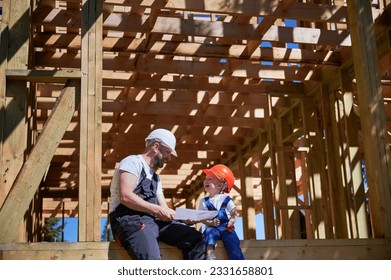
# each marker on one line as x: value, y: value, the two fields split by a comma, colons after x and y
x: 216, y: 201
x: 133, y: 164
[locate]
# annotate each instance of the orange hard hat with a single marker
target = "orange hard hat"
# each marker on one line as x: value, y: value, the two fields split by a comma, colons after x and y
x: 222, y: 172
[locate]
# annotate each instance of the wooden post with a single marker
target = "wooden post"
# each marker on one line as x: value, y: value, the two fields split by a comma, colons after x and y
x: 340, y: 188
x: 90, y: 122
x: 286, y: 191
x: 334, y: 173
x: 14, y: 140
x: 372, y: 114
x: 353, y: 160
x: 15, y: 27
x: 318, y: 180
x: 247, y: 194
x: 265, y: 162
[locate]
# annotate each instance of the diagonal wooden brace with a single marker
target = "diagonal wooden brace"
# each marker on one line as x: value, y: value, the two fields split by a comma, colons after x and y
x: 29, y: 178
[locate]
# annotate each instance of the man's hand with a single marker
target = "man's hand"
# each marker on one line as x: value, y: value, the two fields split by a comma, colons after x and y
x: 165, y: 214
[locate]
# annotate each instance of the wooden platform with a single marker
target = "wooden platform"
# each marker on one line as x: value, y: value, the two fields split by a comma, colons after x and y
x: 340, y: 249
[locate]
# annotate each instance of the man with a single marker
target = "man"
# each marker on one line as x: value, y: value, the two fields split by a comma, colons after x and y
x: 139, y: 215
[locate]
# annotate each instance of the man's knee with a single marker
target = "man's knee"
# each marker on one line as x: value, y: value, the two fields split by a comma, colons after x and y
x: 196, y: 249
x: 143, y: 245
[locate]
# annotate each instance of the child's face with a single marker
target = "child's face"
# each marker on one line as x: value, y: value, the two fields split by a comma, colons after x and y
x: 212, y: 184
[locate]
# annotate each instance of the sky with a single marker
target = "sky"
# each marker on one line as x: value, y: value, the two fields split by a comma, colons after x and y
x: 70, y: 229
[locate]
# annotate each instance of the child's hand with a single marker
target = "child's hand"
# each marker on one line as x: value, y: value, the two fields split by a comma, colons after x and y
x: 215, y: 222
x: 211, y: 223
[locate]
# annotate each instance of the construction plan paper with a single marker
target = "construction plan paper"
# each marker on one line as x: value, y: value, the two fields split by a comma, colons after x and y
x: 194, y: 215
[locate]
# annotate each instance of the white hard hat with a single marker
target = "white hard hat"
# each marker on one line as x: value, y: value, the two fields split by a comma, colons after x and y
x: 166, y: 136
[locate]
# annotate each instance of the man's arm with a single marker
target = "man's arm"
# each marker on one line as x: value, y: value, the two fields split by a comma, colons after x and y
x: 162, y: 201
x: 127, y: 184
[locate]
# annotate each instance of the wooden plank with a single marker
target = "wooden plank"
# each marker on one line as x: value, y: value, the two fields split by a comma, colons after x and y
x: 339, y: 190
x: 83, y: 149
x: 298, y: 35
x: 315, y: 249
x: 267, y: 185
x: 354, y: 158
x: 280, y: 189
x: 30, y: 176
x: 176, y: 107
x: 251, y: 7
x: 318, y: 180
x: 95, y: 186
x: 236, y: 69
x: 343, y: 157
x: 223, y: 121
x: 372, y: 114
x: 90, y: 123
x: 4, y: 40
x: 213, y: 68
x: 255, y: 8
x: 211, y: 84
x: 286, y: 188
x: 151, y: 81
x: 213, y: 29
x: 247, y: 202
x: 91, y: 211
x: 42, y: 76
x: 193, y: 49
x: 338, y: 207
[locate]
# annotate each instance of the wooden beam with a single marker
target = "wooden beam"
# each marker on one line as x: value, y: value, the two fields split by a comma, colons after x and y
x: 206, y: 83
x: 318, y: 181
x: 235, y: 69
x: 338, y: 207
x: 372, y: 114
x: 4, y: 41
x: 286, y: 190
x: 235, y: 51
x: 30, y: 176
x: 341, y: 190
x: 254, y: 8
x: 353, y: 160
x: 185, y: 27
x: 267, y: 183
x: 315, y: 249
x: 247, y: 201
x: 14, y: 101
x: 152, y: 81
x: 42, y: 76
x: 90, y: 122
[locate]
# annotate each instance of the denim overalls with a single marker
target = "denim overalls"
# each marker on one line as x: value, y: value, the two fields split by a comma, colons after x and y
x: 230, y: 239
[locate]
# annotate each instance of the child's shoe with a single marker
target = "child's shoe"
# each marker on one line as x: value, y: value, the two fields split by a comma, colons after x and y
x: 210, y: 256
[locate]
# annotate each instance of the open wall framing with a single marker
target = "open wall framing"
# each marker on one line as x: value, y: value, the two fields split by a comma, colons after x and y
x: 292, y: 95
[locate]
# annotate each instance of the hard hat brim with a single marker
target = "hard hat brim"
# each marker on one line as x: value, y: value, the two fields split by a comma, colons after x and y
x: 173, y: 152
x: 210, y: 172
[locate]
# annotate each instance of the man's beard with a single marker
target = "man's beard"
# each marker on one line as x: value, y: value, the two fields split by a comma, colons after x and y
x: 158, y: 161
